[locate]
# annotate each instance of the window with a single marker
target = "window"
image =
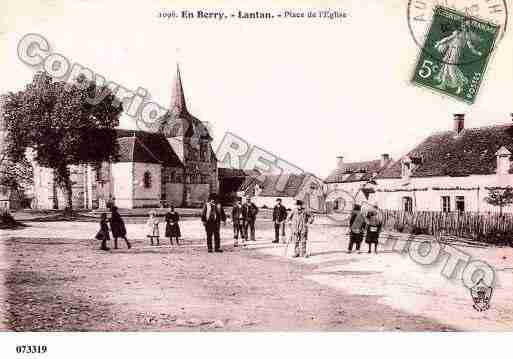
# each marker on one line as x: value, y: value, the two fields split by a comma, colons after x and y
x: 460, y: 203
x: 406, y: 169
x: 446, y: 204
x: 407, y: 204
x: 147, y: 179
x: 98, y: 172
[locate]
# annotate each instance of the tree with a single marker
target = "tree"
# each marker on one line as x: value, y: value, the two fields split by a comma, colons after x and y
x: 500, y: 197
x: 13, y: 174
x: 61, y: 124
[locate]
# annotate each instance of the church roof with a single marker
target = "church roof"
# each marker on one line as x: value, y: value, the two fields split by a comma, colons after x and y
x: 145, y: 147
x: 178, y: 121
x: 178, y: 105
x: 471, y: 152
x: 356, y: 171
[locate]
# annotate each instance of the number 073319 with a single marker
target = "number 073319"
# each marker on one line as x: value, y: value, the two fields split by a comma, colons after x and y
x: 31, y: 349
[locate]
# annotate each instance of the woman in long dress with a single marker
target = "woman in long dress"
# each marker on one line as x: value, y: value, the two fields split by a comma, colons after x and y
x: 373, y: 230
x: 172, y: 226
x: 117, y: 226
x: 451, y: 48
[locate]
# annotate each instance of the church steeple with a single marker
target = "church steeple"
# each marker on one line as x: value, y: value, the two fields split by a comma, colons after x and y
x: 178, y: 106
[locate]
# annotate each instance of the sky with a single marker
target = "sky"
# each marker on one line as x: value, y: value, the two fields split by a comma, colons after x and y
x: 306, y: 90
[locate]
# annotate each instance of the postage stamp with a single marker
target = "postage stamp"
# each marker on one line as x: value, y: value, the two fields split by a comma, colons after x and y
x: 455, y: 54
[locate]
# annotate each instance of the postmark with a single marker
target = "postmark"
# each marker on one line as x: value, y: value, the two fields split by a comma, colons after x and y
x: 419, y: 14
x: 455, y: 53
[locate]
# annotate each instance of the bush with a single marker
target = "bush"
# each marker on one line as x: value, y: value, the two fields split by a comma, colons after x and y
x: 499, y: 238
x: 7, y: 220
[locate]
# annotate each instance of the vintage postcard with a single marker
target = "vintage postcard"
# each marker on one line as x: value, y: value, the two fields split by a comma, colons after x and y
x: 169, y: 168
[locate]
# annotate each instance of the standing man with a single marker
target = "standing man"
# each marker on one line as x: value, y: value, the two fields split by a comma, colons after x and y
x: 238, y: 223
x: 212, y: 216
x: 356, y: 228
x: 250, y: 211
x: 299, y: 219
x: 279, y: 217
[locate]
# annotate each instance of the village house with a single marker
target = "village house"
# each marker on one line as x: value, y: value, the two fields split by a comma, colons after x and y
x: 176, y: 165
x: 356, y: 179
x: 450, y: 171
x: 265, y: 189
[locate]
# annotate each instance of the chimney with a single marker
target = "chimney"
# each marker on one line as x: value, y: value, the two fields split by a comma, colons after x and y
x: 385, y: 157
x: 459, y: 122
x: 340, y: 162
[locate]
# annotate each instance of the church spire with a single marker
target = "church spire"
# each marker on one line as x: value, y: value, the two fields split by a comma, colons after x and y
x: 178, y: 106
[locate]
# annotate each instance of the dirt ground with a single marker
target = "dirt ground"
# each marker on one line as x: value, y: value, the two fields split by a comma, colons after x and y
x: 56, y: 279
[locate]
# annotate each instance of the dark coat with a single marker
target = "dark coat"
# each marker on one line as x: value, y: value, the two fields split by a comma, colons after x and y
x: 117, y: 225
x: 219, y: 217
x: 356, y: 226
x: 279, y: 213
x: 237, y: 213
x: 103, y: 233
x: 172, y: 226
x: 249, y: 211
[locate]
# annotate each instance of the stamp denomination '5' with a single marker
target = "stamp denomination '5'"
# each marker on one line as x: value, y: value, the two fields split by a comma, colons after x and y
x: 455, y: 54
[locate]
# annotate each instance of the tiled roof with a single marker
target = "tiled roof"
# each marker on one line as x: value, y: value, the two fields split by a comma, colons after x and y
x: 270, y: 187
x: 356, y: 171
x: 472, y: 152
x: 140, y: 146
x: 225, y: 172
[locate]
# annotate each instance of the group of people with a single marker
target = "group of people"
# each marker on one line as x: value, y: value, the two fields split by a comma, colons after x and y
x: 118, y: 228
x: 243, y: 218
x: 360, y: 225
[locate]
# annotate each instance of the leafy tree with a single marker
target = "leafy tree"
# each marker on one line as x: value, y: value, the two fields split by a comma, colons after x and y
x: 500, y: 197
x: 13, y: 174
x: 62, y: 125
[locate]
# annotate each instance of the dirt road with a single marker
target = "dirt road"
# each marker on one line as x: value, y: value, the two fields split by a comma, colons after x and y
x: 57, y: 280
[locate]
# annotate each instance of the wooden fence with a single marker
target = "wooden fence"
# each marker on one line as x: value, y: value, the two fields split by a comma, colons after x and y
x: 488, y: 227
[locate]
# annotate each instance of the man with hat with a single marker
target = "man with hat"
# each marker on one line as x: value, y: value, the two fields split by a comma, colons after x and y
x: 279, y: 217
x: 249, y: 211
x: 299, y: 219
x: 212, y: 216
x: 238, y: 223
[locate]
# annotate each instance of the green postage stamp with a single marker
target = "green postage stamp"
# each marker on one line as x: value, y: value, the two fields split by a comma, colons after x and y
x: 455, y: 54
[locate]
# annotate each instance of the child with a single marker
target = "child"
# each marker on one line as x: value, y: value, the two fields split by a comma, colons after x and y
x: 103, y: 233
x: 172, y: 226
x: 299, y: 219
x: 373, y: 230
x: 152, y: 225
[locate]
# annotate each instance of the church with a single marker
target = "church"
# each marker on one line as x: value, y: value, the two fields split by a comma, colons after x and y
x: 174, y: 166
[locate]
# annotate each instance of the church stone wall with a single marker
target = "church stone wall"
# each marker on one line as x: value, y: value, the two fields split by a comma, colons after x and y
x: 174, y: 194
x: 147, y: 196
x: 196, y: 194
x: 122, y: 175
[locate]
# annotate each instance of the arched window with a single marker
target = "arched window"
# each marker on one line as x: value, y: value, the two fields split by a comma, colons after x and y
x: 147, y: 179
